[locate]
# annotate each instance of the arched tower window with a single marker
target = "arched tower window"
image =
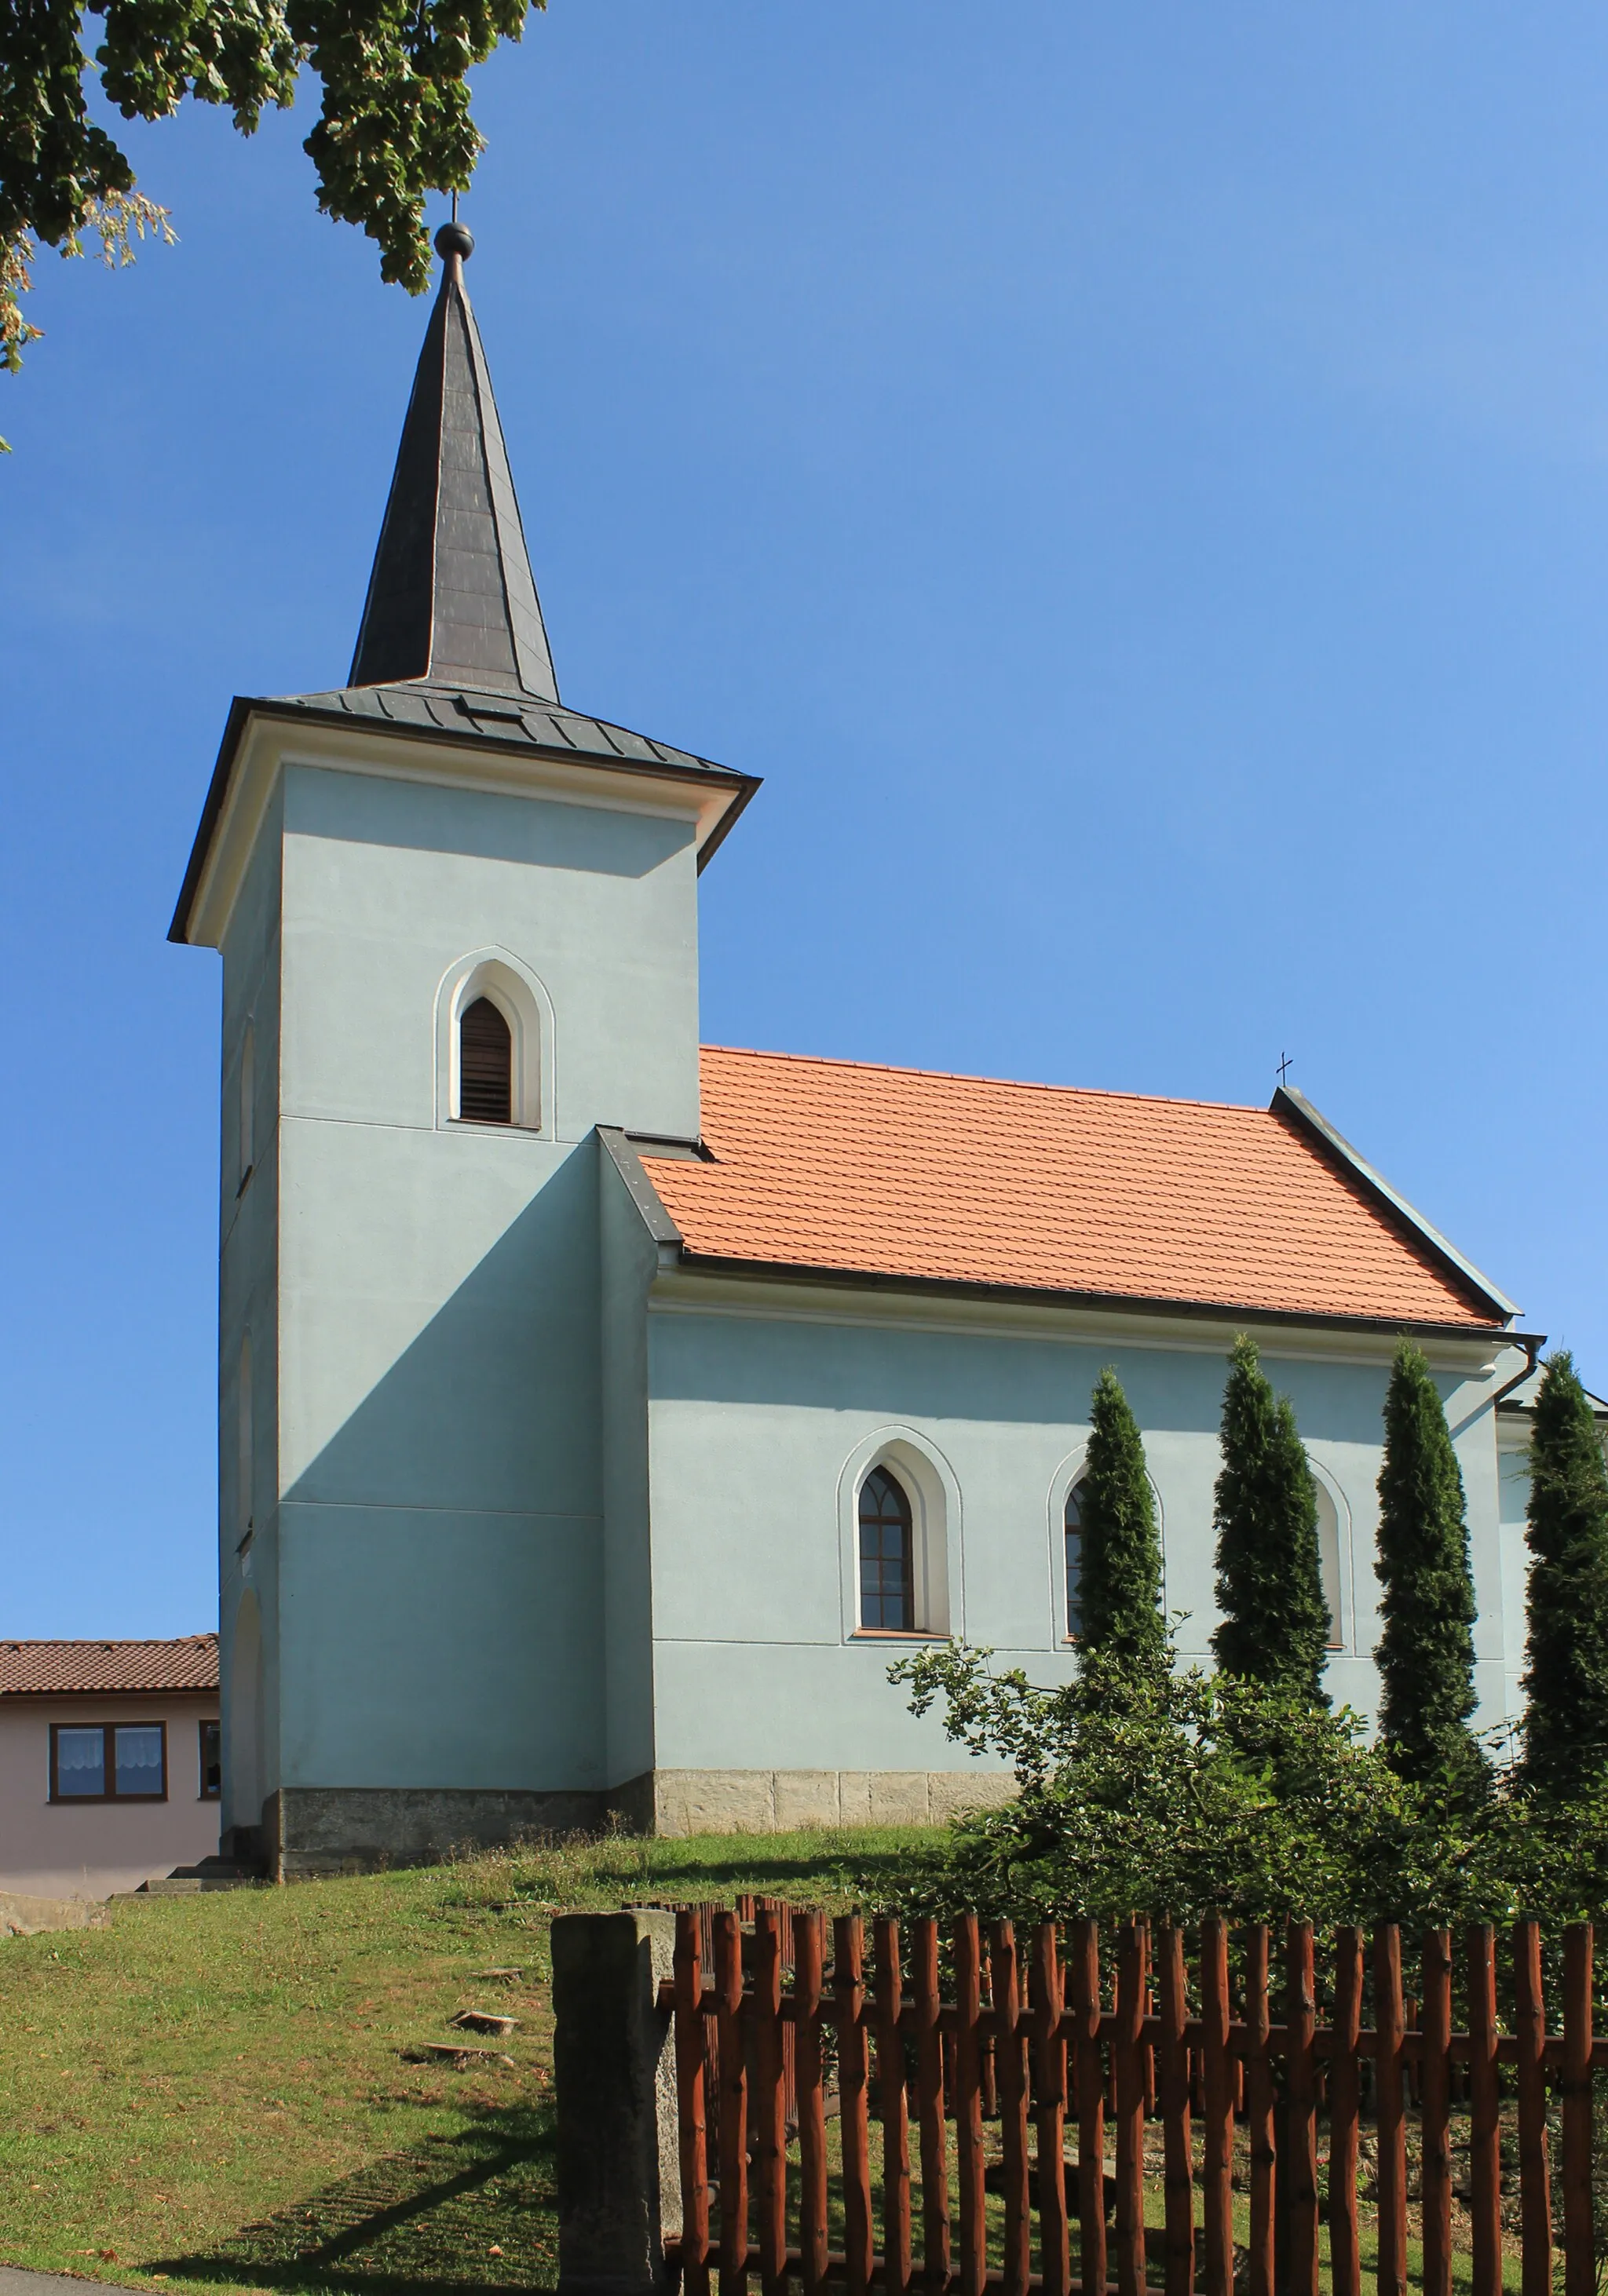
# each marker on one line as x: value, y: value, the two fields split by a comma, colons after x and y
x: 886, y: 1554
x: 1074, y: 1559
x: 485, y: 1065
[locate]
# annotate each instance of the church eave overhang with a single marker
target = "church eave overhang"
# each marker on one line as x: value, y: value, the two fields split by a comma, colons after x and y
x: 688, y: 772
x: 1294, y: 1109
x: 1225, y: 1311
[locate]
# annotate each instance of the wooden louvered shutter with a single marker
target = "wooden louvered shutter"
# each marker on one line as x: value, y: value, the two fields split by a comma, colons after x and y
x: 485, y: 1065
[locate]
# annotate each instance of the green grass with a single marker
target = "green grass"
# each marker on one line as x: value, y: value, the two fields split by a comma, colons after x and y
x: 223, y: 2093
x: 217, y: 2092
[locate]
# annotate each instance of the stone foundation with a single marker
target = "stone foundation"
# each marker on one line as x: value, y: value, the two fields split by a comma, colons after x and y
x: 312, y: 1830
x: 307, y: 1831
x: 785, y: 1801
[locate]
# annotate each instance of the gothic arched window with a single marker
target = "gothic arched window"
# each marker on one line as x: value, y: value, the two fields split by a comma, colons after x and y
x: 1074, y: 1560
x: 485, y: 1065
x: 886, y: 1554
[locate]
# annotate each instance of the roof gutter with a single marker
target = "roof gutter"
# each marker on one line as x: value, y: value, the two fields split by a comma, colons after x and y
x: 1126, y: 1303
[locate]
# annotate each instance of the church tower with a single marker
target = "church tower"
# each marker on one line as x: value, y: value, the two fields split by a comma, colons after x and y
x: 458, y: 924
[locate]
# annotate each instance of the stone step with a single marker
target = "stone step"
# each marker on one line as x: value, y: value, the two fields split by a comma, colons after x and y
x: 193, y: 1881
x: 216, y: 1868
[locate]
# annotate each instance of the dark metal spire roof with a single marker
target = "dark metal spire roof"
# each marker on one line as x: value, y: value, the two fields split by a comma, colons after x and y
x: 452, y: 598
x: 451, y: 653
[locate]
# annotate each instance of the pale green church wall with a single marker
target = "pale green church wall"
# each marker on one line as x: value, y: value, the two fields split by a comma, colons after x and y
x: 1513, y: 1462
x: 388, y: 882
x: 440, y: 1649
x: 762, y: 1427
x: 248, y: 1306
x: 627, y: 1258
x: 433, y: 1598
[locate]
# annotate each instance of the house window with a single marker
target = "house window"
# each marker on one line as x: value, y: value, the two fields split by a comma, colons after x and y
x: 212, y: 1760
x: 887, y: 1555
x: 1074, y: 1562
x: 485, y: 1065
x: 108, y: 1761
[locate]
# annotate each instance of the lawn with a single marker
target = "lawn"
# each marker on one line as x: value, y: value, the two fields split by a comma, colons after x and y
x: 230, y: 2092
x: 221, y: 2091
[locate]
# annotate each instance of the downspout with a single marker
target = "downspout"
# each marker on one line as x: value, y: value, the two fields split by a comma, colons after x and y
x: 1533, y: 1343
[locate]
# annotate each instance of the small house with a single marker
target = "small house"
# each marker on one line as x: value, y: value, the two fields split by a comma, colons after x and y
x: 110, y: 1763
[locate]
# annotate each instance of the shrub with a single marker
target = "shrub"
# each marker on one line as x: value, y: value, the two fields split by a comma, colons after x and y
x: 1566, y: 1681
x: 1275, y: 1627
x: 1177, y: 1793
x: 1426, y: 1652
x: 1122, y: 1558
x: 1182, y: 1793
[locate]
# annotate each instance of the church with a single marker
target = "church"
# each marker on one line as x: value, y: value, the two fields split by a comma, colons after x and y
x: 600, y: 1411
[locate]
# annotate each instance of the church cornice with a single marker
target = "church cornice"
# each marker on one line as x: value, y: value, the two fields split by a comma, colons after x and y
x: 571, y: 755
x: 695, y: 1281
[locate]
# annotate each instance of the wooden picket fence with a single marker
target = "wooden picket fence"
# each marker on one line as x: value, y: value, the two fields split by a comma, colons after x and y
x: 1044, y: 2034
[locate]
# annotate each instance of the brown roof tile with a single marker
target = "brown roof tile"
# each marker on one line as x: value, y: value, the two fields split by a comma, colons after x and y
x: 30, y: 1669
x: 833, y: 1166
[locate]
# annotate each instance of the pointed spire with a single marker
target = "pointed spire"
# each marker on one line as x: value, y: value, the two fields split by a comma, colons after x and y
x: 451, y: 597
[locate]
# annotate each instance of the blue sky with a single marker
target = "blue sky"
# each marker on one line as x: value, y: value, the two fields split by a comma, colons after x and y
x: 1134, y: 481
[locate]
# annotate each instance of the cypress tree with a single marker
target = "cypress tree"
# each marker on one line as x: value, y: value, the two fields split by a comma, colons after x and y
x: 1566, y: 1682
x: 1120, y: 1586
x: 1270, y: 1583
x: 1426, y: 1652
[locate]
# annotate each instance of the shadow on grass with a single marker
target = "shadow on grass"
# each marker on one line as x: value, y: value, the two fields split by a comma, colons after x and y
x: 474, y: 2213
x: 695, y: 1879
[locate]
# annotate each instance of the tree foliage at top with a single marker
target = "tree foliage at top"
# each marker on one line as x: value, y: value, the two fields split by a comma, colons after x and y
x: 1425, y: 1654
x: 1566, y: 1681
x: 1120, y: 1582
x: 394, y: 123
x: 1275, y: 1626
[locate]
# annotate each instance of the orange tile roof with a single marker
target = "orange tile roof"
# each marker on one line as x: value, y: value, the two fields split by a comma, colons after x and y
x: 30, y: 1669
x: 830, y: 1165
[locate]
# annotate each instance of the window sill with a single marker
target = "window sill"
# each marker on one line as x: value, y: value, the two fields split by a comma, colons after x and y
x: 898, y: 1635
x: 502, y: 1131
x: 99, y: 1801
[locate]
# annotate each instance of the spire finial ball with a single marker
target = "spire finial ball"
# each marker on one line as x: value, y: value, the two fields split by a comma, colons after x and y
x: 455, y: 239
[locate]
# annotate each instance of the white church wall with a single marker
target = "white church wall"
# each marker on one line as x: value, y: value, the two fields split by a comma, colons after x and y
x: 756, y: 1413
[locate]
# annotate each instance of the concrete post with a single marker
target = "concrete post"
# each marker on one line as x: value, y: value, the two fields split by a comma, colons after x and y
x: 618, y: 2180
